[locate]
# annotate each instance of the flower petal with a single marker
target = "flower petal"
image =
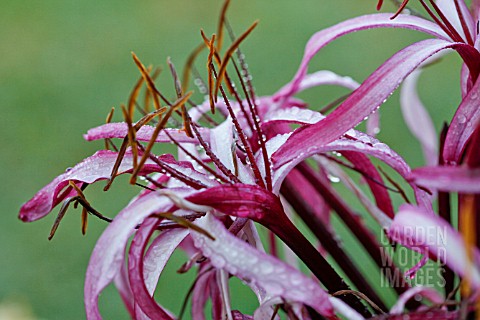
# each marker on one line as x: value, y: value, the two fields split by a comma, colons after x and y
x: 324, y: 37
x: 97, y: 167
x: 462, y: 126
x: 423, y: 232
x: 120, y: 130
x: 362, y: 101
x: 360, y: 143
x: 417, y: 118
x: 240, y: 200
x: 453, y: 179
x: 450, y: 11
x: 107, y: 257
x: 144, y: 272
x: 322, y: 77
x: 275, y: 277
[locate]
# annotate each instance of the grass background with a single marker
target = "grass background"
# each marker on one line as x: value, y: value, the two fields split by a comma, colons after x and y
x: 64, y: 64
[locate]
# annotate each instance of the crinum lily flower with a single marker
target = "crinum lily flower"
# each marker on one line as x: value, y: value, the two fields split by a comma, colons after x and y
x: 204, y: 202
x: 248, y: 168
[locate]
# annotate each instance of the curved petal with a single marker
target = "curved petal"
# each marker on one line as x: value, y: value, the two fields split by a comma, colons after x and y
x: 417, y: 118
x: 293, y: 115
x: 143, y: 274
x: 154, y: 262
x: 373, y: 179
x: 364, y: 100
x: 450, y: 179
x: 120, y: 130
x: 415, y: 229
x: 450, y: 11
x: 382, y: 20
x: 92, y: 169
x: 221, y: 142
x: 463, y: 125
x: 107, y: 257
x: 322, y: 77
x: 252, y: 266
x: 361, y: 143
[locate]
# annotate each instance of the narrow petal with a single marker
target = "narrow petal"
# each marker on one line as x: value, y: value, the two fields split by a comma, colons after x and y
x: 360, y: 143
x: 92, y: 169
x: 221, y: 142
x: 123, y: 286
x: 462, y: 126
x: 120, y: 130
x: 382, y: 20
x: 143, y: 274
x: 323, y: 77
x: 423, y: 232
x: 450, y: 11
x: 293, y: 115
x: 158, y: 255
x: 201, y: 293
x: 107, y: 257
x: 362, y: 101
x: 252, y: 266
x: 450, y: 179
x: 417, y: 118
x: 373, y: 178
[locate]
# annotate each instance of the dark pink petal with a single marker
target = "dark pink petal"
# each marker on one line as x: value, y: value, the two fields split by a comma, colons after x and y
x: 201, y: 293
x: 453, y: 179
x: 107, y: 257
x: 240, y: 200
x: 120, y: 130
x: 324, y: 37
x: 423, y: 232
x: 310, y: 195
x: 417, y: 118
x: 153, y: 264
x: 252, y: 266
x: 362, y: 163
x: 142, y: 294
x: 123, y: 286
x: 462, y: 126
x: 363, y: 101
x: 97, y: 167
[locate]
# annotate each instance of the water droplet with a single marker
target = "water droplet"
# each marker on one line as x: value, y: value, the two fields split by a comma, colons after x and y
x: 68, y: 169
x: 462, y: 118
x: 333, y: 178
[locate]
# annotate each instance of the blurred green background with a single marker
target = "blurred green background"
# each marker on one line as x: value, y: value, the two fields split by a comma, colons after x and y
x: 64, y: 64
